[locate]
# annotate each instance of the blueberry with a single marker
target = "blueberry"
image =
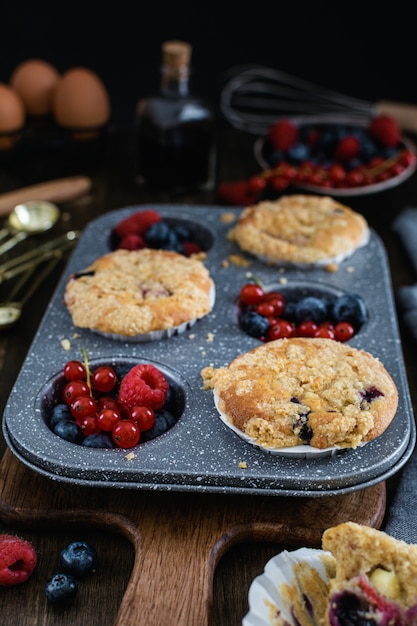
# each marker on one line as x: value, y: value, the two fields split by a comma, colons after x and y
x: 162, y: 235
x: 182, y: 232
x: 69, y: 430
x: 253, y: 324
x: 298, y: 153
x: 311, y: 308
x: 164, y: 420
x: 60, y: 412
x: 99, y: 440
x: 61, y: 589
x: 78, y: 559
x: 350, y: 308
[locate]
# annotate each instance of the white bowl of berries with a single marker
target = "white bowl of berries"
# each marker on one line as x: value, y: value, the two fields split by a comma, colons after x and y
x: 334, y: 155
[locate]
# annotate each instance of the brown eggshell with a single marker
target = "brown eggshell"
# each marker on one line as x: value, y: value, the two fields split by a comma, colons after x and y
x: 12, y: 115
x: 35, y: 80
x: 81, y: 100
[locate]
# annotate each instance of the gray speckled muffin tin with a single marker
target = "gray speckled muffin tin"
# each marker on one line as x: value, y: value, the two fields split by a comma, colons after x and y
x: 200, y: 453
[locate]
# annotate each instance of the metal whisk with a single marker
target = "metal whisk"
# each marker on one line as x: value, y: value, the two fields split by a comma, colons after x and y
x: 256, y: 96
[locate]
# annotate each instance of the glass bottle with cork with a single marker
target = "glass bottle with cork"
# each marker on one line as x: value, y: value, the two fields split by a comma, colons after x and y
x: 175, y: 130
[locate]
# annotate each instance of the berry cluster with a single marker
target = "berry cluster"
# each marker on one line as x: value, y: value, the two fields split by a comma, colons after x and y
x: 269, y: 315
x: 147, y: 229
x: 106, y: 409
x: 77, y: 560
x: 327, y: 156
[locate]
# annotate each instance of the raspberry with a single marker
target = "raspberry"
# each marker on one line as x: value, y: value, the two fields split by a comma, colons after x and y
x: 144, y: 385
x: 283, y: 135
x: 236, y: 193
x: 385, y: 130
x: 132, y: 241
x: 17, y: 560
x: 348, y: 148
x: 137, y: 223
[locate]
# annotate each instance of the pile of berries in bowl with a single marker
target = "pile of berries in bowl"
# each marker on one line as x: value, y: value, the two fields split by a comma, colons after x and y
x: 112, y: 405
x: 269, y: 314
x: 332, y: 156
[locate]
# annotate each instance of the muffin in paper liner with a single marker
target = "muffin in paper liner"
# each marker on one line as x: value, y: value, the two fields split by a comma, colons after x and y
x: 293, y: 589
x: 294, y: 452
x: 157, y: 335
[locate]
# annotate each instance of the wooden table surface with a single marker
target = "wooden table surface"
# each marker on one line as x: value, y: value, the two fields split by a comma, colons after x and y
x: 100, y: 596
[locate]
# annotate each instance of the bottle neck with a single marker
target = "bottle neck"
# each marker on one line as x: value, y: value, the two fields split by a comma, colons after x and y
x: 175, y: 81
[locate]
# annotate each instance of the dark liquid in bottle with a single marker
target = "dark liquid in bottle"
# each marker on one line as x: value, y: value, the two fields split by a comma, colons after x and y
x: 176, y: 144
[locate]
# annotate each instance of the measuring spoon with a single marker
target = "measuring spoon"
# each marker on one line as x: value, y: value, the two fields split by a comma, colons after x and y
x: 11, y: 309
x: 31, y: 218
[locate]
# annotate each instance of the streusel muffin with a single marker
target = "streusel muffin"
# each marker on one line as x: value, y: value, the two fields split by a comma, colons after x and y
x: 136, y: 292
x: 300, y: 229
x: 304, y: 391
x: 376, y: 577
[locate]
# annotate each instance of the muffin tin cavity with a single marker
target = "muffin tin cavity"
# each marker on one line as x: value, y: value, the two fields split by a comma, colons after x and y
x: 172, y: 234
x: 51, y: 395
x: 200, y: 453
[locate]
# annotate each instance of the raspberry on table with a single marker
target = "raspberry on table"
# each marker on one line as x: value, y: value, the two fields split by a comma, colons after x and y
x: 17, y: 560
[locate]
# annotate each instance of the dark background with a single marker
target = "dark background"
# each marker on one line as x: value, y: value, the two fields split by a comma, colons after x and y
x: 366, y: 49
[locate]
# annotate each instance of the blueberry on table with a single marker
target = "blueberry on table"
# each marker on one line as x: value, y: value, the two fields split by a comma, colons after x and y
x: 61, y: 590
x: 78, y: 559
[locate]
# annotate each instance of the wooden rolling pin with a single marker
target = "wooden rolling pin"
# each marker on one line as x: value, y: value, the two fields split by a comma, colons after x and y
x: 59, y: 190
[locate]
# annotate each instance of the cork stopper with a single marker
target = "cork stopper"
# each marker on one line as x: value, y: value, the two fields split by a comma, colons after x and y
x: 176, y: 54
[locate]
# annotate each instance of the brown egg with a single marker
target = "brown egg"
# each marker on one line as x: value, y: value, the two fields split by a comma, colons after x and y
x: 81, y: 100
x: 35, y: 80
x: 12, y: 116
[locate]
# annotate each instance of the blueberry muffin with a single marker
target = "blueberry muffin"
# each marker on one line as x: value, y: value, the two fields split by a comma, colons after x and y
x: 137, y: 292
x: 303, y: 391
x: 376, y: 578
x: 304, y: 230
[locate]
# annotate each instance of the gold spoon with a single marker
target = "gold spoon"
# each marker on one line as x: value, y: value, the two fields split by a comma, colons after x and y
x: 11, y: 309
x: 30, y: 218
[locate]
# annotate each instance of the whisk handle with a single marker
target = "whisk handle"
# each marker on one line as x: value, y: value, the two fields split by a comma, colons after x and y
x: 405, y: 114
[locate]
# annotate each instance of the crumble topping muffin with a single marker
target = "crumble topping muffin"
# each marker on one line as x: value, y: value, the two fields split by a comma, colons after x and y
x: 140, y: 291
x: 300, y: 229
x: 375, y: 580
x: 304, y: 391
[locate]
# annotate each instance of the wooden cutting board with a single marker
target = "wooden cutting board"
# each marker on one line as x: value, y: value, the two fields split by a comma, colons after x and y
x: 178, y: 537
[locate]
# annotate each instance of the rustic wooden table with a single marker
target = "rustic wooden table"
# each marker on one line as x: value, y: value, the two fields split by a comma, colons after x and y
x: 50, y: 515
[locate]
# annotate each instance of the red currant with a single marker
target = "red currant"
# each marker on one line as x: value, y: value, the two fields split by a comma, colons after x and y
x: 265, y: 308
x: 126, y: 434
x: 89, y: 425
x: 251, y: 294
x: 82, y: 406
x: 74, y: 389
x: 277, y: 301
x: 104, y: 379
x: 257, y: 183
x: 107, y: 402
x: 343, y: 331
x: 280, y: 329
x: 75, y: 370
x: 143, y: 416
x: 324, y: 332
x: 108, y: 418
x: 307, y: 328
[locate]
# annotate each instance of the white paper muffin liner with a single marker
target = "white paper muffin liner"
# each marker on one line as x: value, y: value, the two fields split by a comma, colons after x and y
x: 267, y: 605
x: 156, y: 335
x: 294, y: 452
